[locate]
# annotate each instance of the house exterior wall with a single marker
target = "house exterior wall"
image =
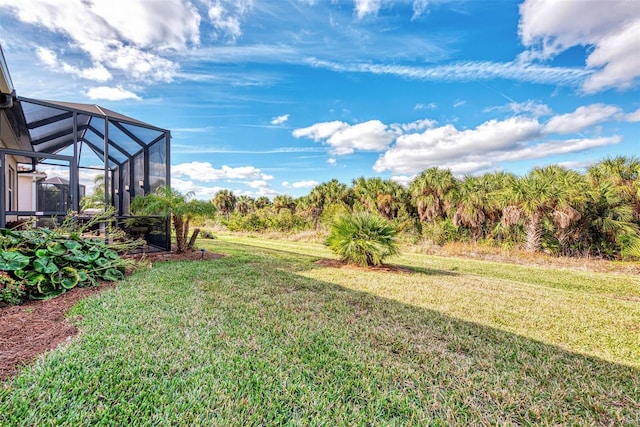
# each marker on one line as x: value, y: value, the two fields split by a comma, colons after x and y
x: 8, y: 139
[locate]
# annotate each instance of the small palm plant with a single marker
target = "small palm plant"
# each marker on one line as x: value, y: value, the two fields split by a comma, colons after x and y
x: 362, y: 238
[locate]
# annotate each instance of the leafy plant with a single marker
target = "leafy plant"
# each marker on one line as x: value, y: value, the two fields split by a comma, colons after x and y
x: 12, y: 291
x: 363, y: 238
x: 42, y: 263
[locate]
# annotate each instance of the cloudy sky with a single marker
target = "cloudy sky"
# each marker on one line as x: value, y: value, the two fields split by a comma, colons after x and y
x: 274, y: 97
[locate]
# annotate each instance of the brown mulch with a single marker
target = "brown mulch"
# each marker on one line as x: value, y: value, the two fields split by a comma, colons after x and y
x: 28, y: 330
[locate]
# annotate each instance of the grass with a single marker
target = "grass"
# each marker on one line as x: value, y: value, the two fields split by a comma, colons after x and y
x: 265, y: 336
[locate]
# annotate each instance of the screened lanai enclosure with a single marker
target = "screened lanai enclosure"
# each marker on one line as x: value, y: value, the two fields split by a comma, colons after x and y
x: 83, y: 145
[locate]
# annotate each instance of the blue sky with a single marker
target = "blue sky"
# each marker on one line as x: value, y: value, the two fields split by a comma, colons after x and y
x: 274, y: 97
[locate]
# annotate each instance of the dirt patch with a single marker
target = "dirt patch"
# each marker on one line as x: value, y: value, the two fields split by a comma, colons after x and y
x: 28, y: 330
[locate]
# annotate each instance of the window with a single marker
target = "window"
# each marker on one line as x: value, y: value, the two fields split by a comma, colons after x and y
x: 10, y: 186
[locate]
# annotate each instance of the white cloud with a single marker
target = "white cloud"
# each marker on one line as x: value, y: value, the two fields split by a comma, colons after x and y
x: 300, y: 184
x: 610, y: 29
x: 223, y: 22
x: 343, y: 138
x: 549, y: 148
x: 418, y: 125
x: 332, y: 161
x: 430, y: 106
x: 633, y: 117
x: 111, y: 93
x: 467, y: 71
x: 132, y: 39
x: 49, y: 58
x: 259, y: 183
x: 280, y: 119
x: 366, y: 7
x: 403, y: 180
x: 372, y: 135
x: 459, y: 103
x: 433, y: 147
x: 420, y: 7
x: 582, y: 118
x: 205, y: 172
x: 200, y: 191
x: 320, y: 131
x: 530, y: 107
x: 473, y: 150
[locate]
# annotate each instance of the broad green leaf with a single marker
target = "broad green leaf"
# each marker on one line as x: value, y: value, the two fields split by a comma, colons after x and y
x: 112, y: 275
x: 68, y: 277
x: 12, y: 260
x: 72, y: 245
x: 45, y: 265
x: 56, y: 248
x: 103, y: 263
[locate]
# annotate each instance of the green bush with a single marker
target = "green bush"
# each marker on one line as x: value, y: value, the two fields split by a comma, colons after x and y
x: 362, y: 238
x: 42, y: 263
x: 12, y: 291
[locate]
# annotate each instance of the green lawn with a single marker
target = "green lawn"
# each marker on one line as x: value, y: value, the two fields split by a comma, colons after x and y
x: 266, y: 336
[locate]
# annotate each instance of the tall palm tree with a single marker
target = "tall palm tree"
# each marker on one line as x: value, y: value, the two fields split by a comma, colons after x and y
x: 548, y: 192
x: 365, y: 192
x: 624, y: 173
x: 225, y: 202
x: 283, y: 201
x: 180, y: 208
x: 431, y: 192
x: 262, y: 202
x: 609, y: 218
x: 244, y: 205
x: 471, y: 200
x: 377, y: 195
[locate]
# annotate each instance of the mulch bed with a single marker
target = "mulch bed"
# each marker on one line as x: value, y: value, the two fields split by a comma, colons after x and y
x: 28, y: 330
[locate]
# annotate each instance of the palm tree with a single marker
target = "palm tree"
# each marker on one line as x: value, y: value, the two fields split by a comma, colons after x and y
x: 608, y: 219
x: 225, y: 202
x: 431, y: 192
x: 471, y: 203
x: 365, y: 192
x: 549, y: 192
x: 624, y: 173
x: 180, y: 208
x: 262, y: 202
x: 244, y: 205
x: 377, y: 195
x: 283, y: 201
x: 363, y: 238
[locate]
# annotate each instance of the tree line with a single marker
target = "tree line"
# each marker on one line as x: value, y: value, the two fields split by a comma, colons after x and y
x: 552, y: 209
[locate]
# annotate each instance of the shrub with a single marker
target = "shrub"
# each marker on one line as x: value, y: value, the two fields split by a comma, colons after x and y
x: 42, y: 263
x: 11, y: 291
x: 362, y: 238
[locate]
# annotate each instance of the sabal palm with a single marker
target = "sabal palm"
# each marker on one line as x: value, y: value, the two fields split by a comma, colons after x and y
x: 323, y: 195
x: 283, y: 201
x: 624, y: 173
x: 225, y: 202
x: 471, y: 201
x: 540, y: 193
x: 431, y: 191
x: 244, y: 204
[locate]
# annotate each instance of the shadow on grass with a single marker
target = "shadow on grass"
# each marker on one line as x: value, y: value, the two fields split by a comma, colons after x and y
x: 482, y: 374
x: 280, y: 348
